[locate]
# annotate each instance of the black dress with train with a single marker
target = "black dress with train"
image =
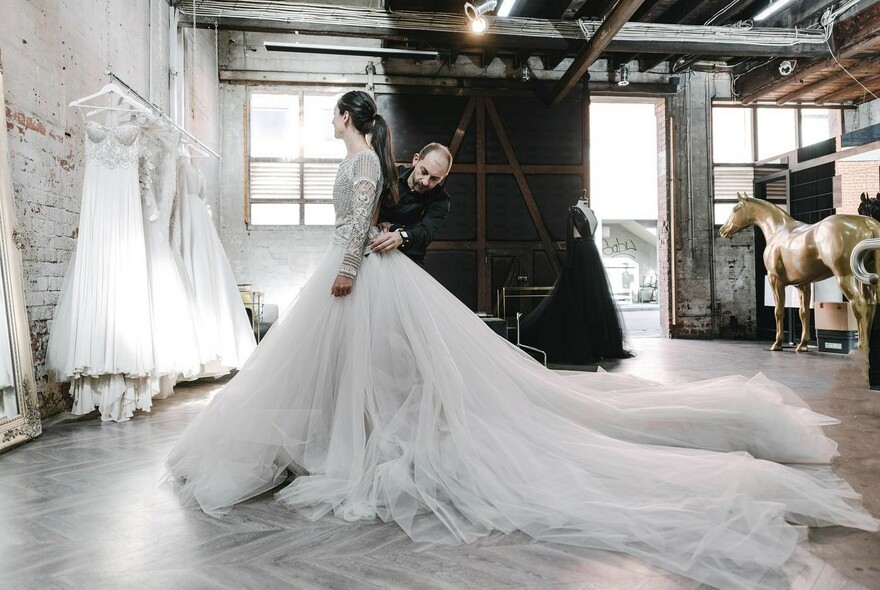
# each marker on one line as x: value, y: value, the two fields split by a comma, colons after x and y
x: 578, y: 322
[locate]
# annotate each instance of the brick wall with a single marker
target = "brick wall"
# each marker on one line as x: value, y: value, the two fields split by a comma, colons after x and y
x: 854, y: 178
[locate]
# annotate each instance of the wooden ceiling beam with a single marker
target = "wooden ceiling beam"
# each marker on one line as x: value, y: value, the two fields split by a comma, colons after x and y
x: 856, y: 35
x: 619, y: 15
x: 866, y: 67
x: 852, y: 91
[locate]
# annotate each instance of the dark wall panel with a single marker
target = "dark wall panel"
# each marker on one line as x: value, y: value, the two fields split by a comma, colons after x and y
x: 418, y: 120
x: 507, y: 216
x: 457, y: 272
x: 554, y: 194
x: 812, y: 193
x: 543, y: 275
x: 539, y: 135
x: 461, y: 223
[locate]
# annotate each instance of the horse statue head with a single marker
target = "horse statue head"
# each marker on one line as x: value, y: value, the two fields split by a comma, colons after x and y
x: 740, y: 218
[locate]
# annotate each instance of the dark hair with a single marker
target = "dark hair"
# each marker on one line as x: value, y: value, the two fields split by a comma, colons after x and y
x: 361, y: 107
x: 437, y: 147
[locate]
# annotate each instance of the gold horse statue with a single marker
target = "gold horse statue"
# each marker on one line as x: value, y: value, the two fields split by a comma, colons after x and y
x: 799, y: 254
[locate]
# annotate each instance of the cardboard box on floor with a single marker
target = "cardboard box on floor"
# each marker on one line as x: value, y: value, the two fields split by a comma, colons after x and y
x: 835, y: 315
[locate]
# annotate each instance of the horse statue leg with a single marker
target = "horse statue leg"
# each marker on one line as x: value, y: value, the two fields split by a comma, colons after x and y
x: 779, y: 309
x: 805, y: 291
x: 861, y: 307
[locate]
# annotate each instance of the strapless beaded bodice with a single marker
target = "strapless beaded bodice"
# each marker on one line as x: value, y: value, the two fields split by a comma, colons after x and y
x: 112, y: 147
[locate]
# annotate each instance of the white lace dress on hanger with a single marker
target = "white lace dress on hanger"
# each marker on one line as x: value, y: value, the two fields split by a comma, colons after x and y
x: 101, y: 334
x: 211, y: 275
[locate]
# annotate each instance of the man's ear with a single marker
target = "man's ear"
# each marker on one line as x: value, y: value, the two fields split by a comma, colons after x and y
x: 415, y: 159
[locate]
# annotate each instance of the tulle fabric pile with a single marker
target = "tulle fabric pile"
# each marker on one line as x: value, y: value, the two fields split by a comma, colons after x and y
x: 397, y: 402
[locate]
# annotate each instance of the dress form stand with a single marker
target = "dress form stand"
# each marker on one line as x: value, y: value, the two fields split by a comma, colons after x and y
x: 578, y: 321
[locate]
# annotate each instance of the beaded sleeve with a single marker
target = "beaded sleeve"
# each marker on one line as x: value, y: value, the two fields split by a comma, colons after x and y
x: 365, y: 177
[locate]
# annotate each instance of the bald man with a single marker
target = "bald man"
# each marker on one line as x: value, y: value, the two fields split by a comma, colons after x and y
x: 424, y: 203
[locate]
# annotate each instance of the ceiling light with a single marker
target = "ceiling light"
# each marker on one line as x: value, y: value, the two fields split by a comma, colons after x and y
x: 623, y: 76
x: 771, y: 9
x: 474, y: 14
x: 351, y: 50
x: 506, y: 7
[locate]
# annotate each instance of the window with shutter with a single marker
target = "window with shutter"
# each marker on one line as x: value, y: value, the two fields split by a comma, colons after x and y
x: 292, y: 157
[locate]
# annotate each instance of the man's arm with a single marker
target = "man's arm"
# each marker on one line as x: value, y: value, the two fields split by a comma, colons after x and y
x: 422, y: 233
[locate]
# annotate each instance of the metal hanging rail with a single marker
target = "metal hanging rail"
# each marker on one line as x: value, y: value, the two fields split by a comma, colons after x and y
x: 161, y: 114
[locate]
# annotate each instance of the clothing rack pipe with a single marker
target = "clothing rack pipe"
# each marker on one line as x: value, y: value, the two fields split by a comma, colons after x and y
x: 161, y: 113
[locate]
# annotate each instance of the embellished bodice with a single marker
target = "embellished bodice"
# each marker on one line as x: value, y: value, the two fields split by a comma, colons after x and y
x: 355, y: 197
x: 112, y: 147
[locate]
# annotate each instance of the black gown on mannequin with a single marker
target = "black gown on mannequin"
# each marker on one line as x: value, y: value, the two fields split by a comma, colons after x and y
x: 578, y: 321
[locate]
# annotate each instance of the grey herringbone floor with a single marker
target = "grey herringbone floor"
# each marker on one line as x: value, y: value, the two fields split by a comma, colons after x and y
x: 82, y: 507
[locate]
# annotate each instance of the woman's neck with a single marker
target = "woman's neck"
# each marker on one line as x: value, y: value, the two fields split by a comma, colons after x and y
x: 355, y: 143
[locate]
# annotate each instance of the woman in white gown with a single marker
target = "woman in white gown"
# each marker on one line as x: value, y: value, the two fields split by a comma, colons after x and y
x: 391, y: 399
x: 216, y: 291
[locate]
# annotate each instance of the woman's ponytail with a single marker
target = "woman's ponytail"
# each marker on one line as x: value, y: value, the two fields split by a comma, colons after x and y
x: 381, y: 141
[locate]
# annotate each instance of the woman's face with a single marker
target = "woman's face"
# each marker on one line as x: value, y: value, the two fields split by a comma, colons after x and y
x: 338, y: 122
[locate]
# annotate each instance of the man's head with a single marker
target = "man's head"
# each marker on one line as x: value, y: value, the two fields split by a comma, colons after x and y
x: 430, y: 167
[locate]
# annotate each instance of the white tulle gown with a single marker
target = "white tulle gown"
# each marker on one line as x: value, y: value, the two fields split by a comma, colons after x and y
x: 397, y: 402
x: 101, y: 333
x: 228, y: 328
x: 178, y: 326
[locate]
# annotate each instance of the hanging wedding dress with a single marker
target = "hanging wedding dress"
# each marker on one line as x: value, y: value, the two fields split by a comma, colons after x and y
x: 216, y: 291
x: 397, y: 402
x: 101, y: 336
x: 177, y: 322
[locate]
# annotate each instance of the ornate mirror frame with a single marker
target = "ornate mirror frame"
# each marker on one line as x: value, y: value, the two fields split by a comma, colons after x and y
x: 26, y: 424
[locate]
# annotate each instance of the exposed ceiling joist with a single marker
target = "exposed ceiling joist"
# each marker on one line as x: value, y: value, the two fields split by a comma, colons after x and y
x: 594, y: 48
x: 853, y: 90
x: 860, y: 34
x: 859, y: 69
x: 507, y: 34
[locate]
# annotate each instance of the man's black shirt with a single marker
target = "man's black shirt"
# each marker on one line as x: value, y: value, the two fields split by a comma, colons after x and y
x: 421, y: 214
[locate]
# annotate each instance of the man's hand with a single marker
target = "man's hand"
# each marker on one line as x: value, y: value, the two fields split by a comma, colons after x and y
x: 341, y: 286
x: 384, y: 226
x: 386, y: 242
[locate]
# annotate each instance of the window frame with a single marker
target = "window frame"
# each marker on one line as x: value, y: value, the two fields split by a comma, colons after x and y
x: 300, y: 200
x: 753, y: 108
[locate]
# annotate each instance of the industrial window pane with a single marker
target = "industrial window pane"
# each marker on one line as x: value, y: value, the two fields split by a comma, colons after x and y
x: 732, y: 135
x: 722, y: 212
x: 318, y: 180
x: 318, y: 214
x: 818, y: 125
x: 730, y: 180
x: 318, y: 127
x: 274, y: 180
x: 274, y: 214
x: 275, y: 130
x: 776, y: 132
